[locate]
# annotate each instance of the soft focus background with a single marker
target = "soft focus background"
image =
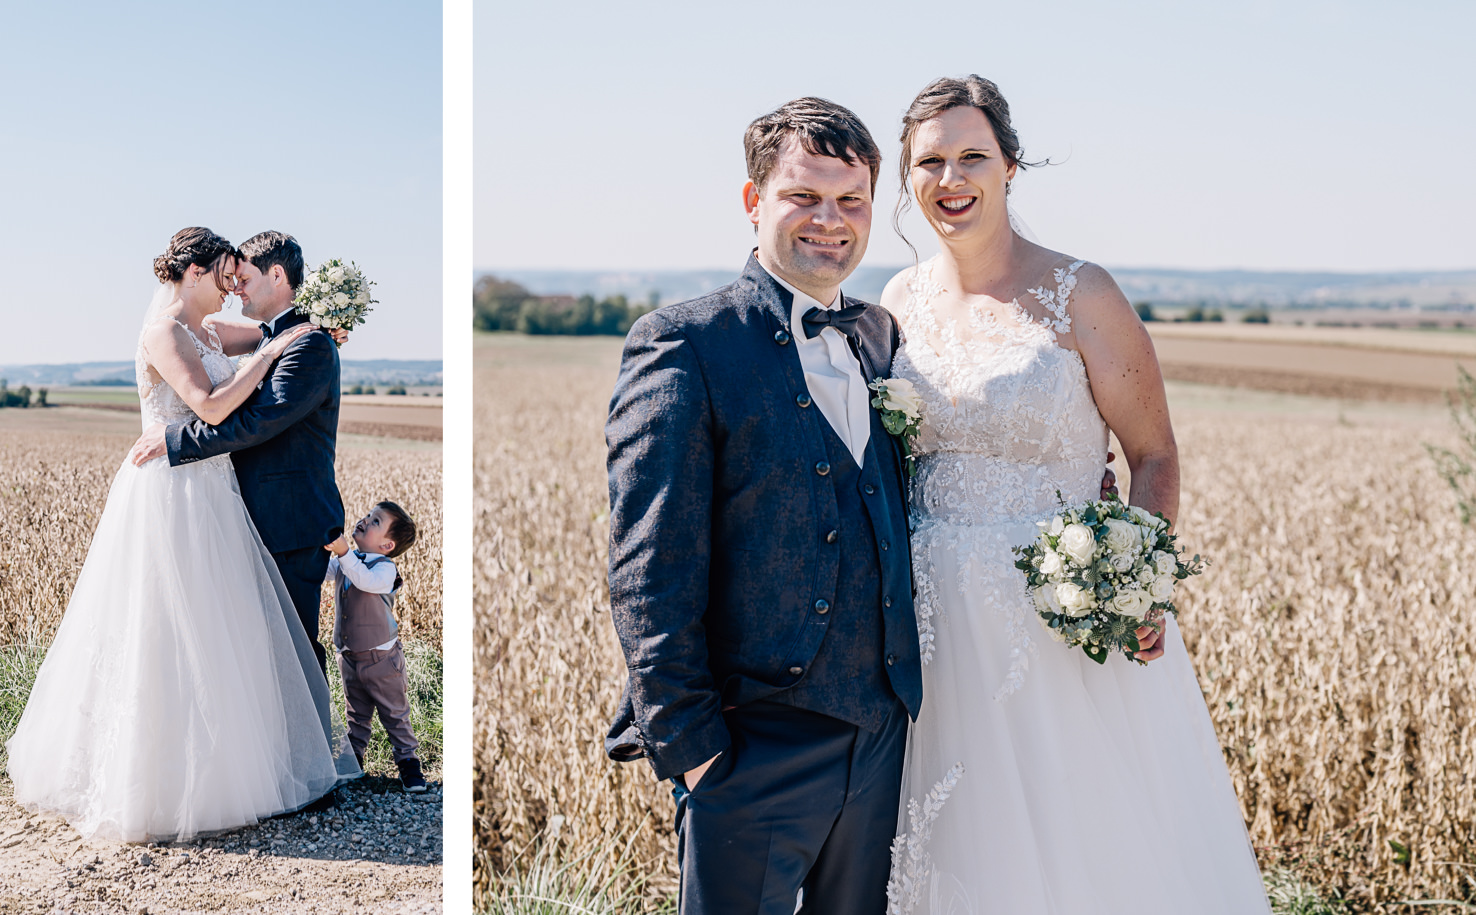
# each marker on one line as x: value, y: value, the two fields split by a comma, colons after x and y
x: 123, y: 123
x: 1281, y: 191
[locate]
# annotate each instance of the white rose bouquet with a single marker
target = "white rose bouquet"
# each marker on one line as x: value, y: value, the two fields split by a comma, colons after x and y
x: 335, y: 295
x: 901, y: 412
x: 1100, y: 571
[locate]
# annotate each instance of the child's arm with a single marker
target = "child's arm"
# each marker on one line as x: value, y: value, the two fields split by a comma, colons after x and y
x: 378, y: 580
x: 338, y: 548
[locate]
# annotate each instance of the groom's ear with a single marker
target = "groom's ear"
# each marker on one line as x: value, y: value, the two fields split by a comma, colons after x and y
x: 751, y: 201
x: 278, y: 274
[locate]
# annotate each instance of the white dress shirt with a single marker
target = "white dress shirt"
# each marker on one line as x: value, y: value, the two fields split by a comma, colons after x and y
x: 377, y: 580
x: 832, y: 374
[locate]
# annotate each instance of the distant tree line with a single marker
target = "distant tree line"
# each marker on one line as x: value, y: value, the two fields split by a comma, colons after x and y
x: 21, y: 396
x: 1198, y: 313
x: 499, y: 304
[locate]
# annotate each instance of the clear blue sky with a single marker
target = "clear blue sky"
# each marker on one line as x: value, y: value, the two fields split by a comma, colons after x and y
x: 121, y: 123
x: 1297, y: 134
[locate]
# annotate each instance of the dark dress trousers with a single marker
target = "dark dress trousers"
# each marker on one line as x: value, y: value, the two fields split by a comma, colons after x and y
x: 282, y: 442
x: 760, y: 583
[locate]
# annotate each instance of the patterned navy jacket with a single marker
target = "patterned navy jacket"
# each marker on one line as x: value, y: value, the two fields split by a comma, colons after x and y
x: 718, y: 520
x: 282, y: 441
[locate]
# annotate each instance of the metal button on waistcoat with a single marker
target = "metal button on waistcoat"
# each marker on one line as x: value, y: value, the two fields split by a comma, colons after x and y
x: 870, y: 490
x: 822, y: 468
x: 822, y: 606
x: 832, y: 537
x: 803, y: 400
x: 796, y: 670
x: 891, y: 659
x: 885, y: 545
x: 886, y: 602
x: 781, y: 337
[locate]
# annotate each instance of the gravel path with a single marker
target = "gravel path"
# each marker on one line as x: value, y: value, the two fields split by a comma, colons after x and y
x: 378, y: 850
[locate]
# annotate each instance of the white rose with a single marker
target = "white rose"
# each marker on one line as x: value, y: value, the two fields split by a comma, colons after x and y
x: 1131, y: 603
x: 1078, y: 543
x: 1074, y: 600
x: 335, y: 274
x: 1145, y: 517
x: 362, y: 298
x: 340, y: 299
x: 1162, y: 588
x: 901, y: 395
x: 1145, y: 576
x: 1051, y: 564
x: 316, y: 320
x: 1122, y: 562
x: 1122, y: 536
x: 1164, y: 562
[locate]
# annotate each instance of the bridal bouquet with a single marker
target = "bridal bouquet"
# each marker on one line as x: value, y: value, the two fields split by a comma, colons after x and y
x: 1101, y: 570
x: 335, y: 295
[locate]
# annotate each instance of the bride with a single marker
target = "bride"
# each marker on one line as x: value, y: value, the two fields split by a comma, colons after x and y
x: 181, y: 694
x: 1036, y: 781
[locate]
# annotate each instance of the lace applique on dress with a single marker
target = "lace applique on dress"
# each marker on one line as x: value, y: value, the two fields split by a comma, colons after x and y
x: 912, y: 866
x: 160, y: 403
x: 1009, y: 421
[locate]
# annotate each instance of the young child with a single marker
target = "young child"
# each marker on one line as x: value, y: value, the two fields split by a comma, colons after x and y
x: 365, y: 634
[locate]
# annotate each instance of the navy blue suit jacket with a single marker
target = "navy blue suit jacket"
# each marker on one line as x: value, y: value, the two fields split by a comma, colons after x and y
x: 718, y: 519
x: 282, y: 442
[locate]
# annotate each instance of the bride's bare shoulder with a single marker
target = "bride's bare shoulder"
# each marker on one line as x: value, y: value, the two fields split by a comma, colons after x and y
x: 1096, y: 290
x: 894, y: 296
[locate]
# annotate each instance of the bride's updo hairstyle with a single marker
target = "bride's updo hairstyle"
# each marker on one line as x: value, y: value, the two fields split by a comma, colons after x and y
x: 193, y: 247
x: 939, y: 96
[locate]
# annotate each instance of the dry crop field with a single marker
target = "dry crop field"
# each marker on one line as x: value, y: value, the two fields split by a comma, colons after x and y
x: 55, y: 469
x: 1334, y: 634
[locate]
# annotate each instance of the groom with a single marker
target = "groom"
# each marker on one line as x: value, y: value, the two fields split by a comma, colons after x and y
x: 282, y: 440
x: 760, y: 578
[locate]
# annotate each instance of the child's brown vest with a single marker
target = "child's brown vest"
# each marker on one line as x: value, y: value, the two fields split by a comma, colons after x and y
x: 362, y: 621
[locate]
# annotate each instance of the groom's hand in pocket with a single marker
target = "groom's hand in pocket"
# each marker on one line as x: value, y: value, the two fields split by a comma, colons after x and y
x: 691, y: 777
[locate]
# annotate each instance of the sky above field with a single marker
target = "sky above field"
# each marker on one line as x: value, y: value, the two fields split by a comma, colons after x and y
x: 1266, y: 134
x: 122, y: 123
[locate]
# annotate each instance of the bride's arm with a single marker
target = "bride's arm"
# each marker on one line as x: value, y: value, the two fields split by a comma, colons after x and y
x: 1127, y: 385
x: 1122, y: 369
x: 237, y: 338
x: 172, y: 354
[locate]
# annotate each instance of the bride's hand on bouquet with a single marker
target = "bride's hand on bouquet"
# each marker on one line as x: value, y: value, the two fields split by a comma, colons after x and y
x: 276, y: 346
x: 150, y: 445
x: 1150, y: 641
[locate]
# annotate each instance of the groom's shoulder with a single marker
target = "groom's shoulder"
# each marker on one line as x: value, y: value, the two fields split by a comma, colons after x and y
x: 715, y: 312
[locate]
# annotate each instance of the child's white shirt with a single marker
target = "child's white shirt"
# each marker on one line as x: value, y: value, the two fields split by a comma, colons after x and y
x: 377, y: 580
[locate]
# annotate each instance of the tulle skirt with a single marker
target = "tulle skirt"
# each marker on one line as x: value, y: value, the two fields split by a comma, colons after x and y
x: 181, y: 694
x: 1040, y: 782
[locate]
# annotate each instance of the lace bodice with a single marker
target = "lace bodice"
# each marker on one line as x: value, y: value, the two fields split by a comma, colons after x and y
x: 160, y: 403
x: 1008, y: 416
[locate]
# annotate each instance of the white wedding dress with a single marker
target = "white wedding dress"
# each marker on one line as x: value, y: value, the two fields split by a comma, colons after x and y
x: 180, y: 695
x: 1037, y: 781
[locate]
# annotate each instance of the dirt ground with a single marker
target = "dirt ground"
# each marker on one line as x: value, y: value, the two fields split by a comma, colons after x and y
x: 377, y: 850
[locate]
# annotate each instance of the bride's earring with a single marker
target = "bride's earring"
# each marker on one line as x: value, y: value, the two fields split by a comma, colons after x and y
x: 1009, y: 186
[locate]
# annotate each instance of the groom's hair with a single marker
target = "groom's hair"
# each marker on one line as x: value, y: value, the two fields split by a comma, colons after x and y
x: 401, y: 528
x: 266, y: 250
x: 822, y: 127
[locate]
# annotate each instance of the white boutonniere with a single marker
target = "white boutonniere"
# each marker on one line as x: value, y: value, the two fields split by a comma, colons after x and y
x: 901, y: 413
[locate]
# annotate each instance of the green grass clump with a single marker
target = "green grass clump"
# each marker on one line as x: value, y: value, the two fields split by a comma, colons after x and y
x: 604, y: 879
x: 18, y: 667
x: 423, y: 667
x: 1290, y: 895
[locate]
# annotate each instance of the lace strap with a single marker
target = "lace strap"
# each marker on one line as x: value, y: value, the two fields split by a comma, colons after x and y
x: 1056, y: 302
x: 200, y: 347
